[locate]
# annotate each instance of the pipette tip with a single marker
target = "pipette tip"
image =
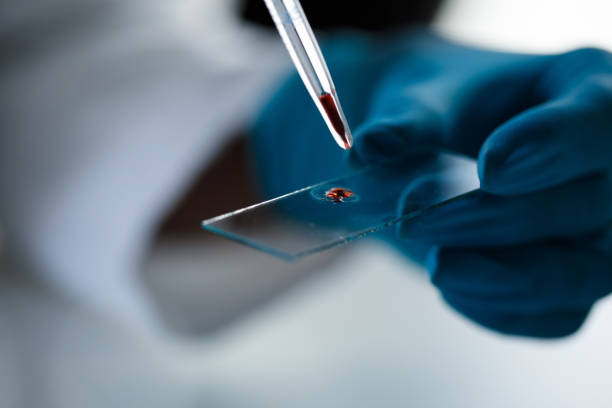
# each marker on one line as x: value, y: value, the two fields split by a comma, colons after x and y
x: 336, y: 121
x: 347, y: 140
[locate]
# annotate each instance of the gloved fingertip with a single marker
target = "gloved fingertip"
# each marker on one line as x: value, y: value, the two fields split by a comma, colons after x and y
x: 418, y: 194
x: 490, y: 166
x: 385, y: 138
x: 431, y: 261
x: 492, y: 289
x: 552, y: 324
x: 416, y: 197
x: 505, y: 171
x: 429, y: 217
x: 353, y: 160
x: 377, y: 142
x: 461, y: 271
x: 533, y: 151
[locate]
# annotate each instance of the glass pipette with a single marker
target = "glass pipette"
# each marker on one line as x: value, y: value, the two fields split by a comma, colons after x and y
x: 304, y: 50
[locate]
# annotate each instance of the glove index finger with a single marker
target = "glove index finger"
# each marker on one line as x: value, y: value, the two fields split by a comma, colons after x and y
x: 440, y: 96
x: 550, y: 144
x: 566, y: 137
x: 392, y: 136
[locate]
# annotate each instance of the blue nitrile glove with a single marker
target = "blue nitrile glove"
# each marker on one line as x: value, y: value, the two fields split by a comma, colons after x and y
x: 290, y: 143
x: 292, y: 146
x: 532, y: 251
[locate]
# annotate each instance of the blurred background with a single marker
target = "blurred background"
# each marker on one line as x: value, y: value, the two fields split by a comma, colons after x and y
x: 121, y: 124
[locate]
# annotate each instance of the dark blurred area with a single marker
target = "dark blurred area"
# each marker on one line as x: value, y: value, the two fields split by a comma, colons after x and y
x: 364, y: 15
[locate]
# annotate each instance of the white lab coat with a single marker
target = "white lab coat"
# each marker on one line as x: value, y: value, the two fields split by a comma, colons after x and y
x: 108, y: 110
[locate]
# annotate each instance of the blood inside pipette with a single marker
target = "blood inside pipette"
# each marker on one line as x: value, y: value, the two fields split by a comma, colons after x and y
x: 334, y: 117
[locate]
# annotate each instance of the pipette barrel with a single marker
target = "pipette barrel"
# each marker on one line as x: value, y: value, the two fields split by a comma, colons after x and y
x: 307, y: 57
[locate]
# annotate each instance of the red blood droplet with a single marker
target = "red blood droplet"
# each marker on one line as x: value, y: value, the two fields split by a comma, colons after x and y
x: 338, y: 194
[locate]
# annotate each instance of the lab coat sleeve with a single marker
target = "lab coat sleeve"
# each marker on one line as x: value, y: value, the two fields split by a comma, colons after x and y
x: 107, y: 115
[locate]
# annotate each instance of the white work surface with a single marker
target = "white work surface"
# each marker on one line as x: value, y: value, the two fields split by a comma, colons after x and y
x: 367, y: 331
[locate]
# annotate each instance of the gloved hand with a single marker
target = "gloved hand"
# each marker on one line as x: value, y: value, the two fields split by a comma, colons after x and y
x: 531, y: 252
x: 291, y: 144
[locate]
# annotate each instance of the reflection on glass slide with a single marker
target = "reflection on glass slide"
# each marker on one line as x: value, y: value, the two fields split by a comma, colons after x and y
x: 338, y: 211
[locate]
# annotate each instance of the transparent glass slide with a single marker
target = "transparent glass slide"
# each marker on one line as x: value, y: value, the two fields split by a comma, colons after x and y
x: 337, y: 211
